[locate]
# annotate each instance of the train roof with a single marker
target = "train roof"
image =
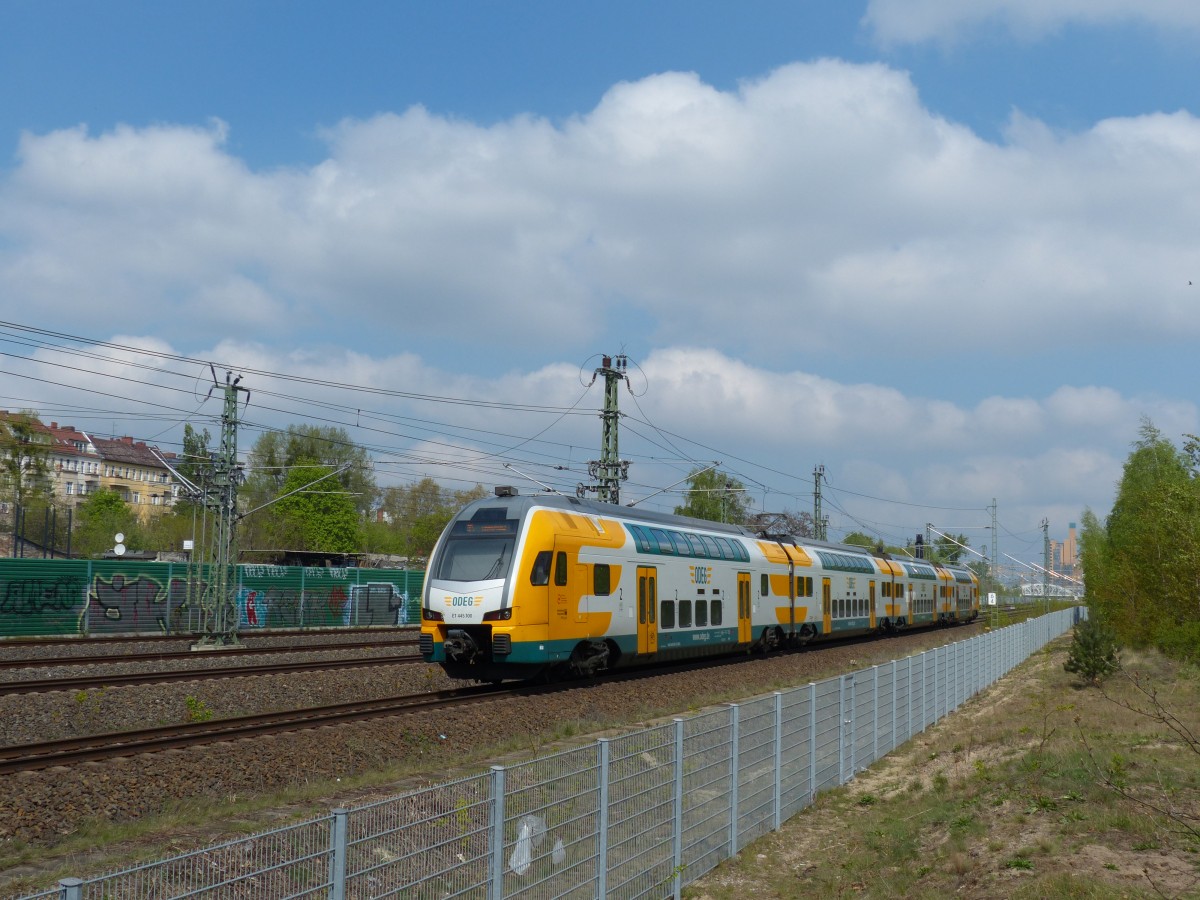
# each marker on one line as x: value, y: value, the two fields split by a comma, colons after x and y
x: 522, y: 503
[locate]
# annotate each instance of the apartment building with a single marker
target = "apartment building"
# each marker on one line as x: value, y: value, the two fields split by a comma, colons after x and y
x: 79, y: 464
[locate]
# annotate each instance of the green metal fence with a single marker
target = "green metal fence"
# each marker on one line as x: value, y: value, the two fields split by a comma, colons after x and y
x: 41, y: 597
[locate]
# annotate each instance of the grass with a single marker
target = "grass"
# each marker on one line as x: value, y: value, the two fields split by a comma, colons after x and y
x: 1037, y: 789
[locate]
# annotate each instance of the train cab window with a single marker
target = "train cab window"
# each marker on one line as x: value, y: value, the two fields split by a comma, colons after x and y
x: 701, y: 613
x: 540, y: 574
x: 685, y: 613
x: 714, y: 610
x: 667, y: 614
x: 764, y: 585
x: 601, y: 580
x: 560, y: 569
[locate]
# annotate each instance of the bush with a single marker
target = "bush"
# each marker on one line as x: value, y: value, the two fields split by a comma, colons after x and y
x: 1181, y: 641
x: 1093, y: 653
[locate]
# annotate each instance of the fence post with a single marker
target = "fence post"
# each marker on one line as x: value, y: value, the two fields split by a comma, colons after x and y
x: 496, y: 886
x: 602, y: 849
x: 874, y: 713
x: 895, y: 688
x: 778, y: 760
x: 812, y: 741
x: 842, y: 777
x: 337, y: 858
x: 70, y: 889
x: 734, y: 750
x: 677, y: 847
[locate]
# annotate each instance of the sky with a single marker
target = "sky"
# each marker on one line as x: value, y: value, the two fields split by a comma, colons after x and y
x: 945, y: 250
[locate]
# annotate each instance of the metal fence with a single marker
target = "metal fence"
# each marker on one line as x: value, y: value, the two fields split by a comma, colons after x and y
x: 41, y: 597
x: 636, y: 816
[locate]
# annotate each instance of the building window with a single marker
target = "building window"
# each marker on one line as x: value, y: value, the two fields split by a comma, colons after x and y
x: 70, y: 488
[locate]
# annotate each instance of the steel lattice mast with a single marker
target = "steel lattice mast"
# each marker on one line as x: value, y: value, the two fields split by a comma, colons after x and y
x: 219, y: 622
x: 610, y: 470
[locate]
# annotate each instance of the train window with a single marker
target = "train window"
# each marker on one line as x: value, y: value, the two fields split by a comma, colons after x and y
x: 715, y: 609
x: 540, y: 573
x: 601, y: 580
x: 560, y: 569
x: 664, y: 542
x: 668, y: 614
x: 726, y: 548
x: 714, y: 552
x: 642, y: 537
x: 764, y: 585
x: 696, y: 544
x: 653, y: 604
x: 685, y: 613
x: 701, y: 613
x: 679, y: 542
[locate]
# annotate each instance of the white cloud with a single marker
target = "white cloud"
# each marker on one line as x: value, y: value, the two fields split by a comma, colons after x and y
x: 912, y: 21
x: 819, y: 205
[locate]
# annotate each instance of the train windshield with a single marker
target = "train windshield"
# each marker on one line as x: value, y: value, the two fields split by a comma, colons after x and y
x: 475, y: 559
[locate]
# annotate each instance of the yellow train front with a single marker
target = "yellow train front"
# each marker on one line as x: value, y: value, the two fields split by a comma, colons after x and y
x: 549, y: 585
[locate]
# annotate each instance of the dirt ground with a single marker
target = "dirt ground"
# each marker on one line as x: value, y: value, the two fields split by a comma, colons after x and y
x: 1012, y: 773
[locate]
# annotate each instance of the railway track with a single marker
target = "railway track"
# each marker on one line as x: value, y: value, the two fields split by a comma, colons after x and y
x: 150, y: 637
x: 111, y: 659
x: 86, y: 682
x: 71, y: 751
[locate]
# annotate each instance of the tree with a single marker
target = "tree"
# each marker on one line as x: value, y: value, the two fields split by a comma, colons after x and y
x: 101, y: 518
x: 25, y: 459
x: 950, y: 549
x: 1140, y: 564
x: 419, y: 512
x: 1093, y: 652
x: 714, y: 496
x: 315, y: 513
x: 270, y: 463
x: 860, y: 539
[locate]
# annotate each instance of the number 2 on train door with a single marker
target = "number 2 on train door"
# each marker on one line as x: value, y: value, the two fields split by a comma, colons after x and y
x: 647, y: 628
x: 744, y: 607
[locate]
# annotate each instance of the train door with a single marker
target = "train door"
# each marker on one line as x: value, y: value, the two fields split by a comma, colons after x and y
x: 826, y: 606
x: 744, y: 607
x: 872, y: 613
x: 647, y: 581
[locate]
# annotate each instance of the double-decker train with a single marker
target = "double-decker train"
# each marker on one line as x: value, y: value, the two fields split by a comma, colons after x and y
x: 555, y: 586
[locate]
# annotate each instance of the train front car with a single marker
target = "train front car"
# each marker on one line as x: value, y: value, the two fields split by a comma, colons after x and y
x: 528, y: 587
x: 467, y: 591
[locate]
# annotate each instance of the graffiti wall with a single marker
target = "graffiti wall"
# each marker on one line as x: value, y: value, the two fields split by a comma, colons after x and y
x: 40, y: 597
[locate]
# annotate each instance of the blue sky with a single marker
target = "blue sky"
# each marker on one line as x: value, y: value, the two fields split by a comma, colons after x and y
x: 942, y: 248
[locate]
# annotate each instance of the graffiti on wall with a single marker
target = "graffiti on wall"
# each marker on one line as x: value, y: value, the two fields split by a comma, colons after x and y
x: 377, y: 603
x: 38, y: 596
x: 63, y: 597
x: 141, y: 603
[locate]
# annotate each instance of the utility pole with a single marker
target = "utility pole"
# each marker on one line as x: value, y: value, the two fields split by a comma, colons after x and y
x: 820, y: 522
x: 995, y: 559
x: 609, y: 470
x: 1046, y: 562
x: 219, y: 612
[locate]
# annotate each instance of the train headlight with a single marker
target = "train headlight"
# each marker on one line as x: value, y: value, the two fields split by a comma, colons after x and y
x: 498, y: 615
x: 431, y: 615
